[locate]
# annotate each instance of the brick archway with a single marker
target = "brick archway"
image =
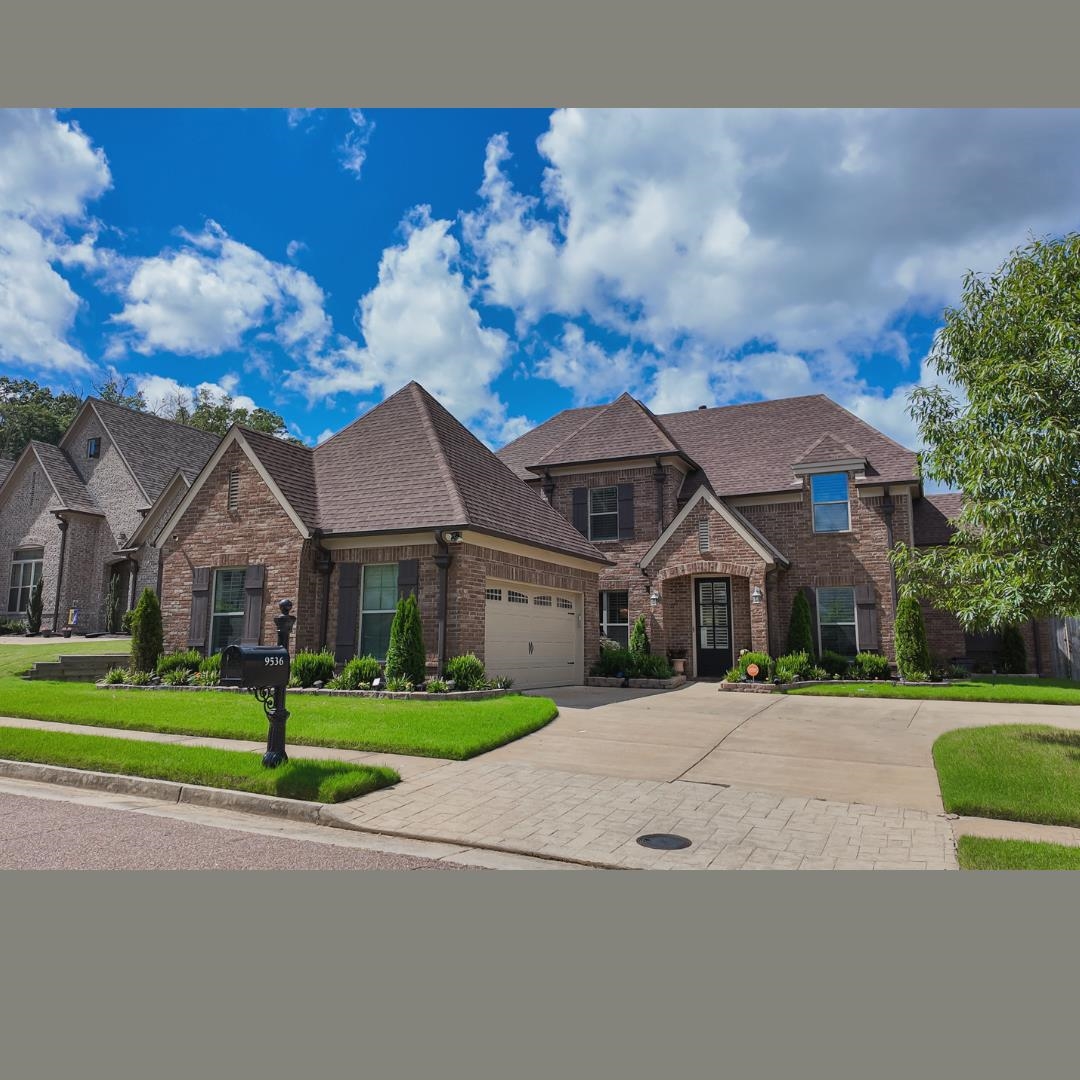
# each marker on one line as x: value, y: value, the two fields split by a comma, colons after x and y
x: 720, y: 567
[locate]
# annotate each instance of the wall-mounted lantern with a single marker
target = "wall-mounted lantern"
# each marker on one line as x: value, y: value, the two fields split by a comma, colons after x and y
x: 655, y: 598
x: 756, y: 595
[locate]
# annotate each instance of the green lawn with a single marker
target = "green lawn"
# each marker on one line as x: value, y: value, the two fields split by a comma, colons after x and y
x: 450, y: 729
x: 1022, y: 772
x: 980, y: 853
x: 15, y: 659
x: 319, y: 781
x: 977, y: 688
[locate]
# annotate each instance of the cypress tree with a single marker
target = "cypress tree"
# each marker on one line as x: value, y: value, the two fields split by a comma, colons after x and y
x: 405, y: 656
x: 801, y: 628
x: 639, y: 639
x: 147, y: 638
x: 912, y: 653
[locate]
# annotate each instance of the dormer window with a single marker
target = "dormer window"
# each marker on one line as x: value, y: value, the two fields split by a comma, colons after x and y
x: 93, y: 447
x: 829, y: 497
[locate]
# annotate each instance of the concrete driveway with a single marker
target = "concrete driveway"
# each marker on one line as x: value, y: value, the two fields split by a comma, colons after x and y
x: 874, y: 751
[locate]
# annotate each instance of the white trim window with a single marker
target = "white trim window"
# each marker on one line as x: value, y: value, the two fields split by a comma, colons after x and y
x: 227, y: 610
x: 378, y: 603
x: 829, y: 497
x: 838, y: 631
x: 26, y: 567
x: 604, y: 513
x: 615, y: 616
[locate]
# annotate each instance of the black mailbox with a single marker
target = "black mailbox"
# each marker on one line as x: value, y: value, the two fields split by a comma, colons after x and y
x: 254, y: 666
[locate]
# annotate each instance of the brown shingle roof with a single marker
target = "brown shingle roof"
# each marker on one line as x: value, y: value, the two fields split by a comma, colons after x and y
x: 5, y: 469
x: 828, y: 448
x: 155, y: 448
x: 409, y: 464
x: 931, y: 518
x: 64, y: 478
x: 746, y: 449
x: 623, y: 429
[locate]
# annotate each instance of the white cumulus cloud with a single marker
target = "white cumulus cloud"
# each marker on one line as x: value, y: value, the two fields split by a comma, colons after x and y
x: 354, y: 149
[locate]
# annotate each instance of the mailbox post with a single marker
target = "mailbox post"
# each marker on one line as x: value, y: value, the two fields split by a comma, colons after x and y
x: 264, y: 670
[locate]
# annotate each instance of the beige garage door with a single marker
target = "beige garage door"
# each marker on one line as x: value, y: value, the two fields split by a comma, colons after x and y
x: 533, y: 635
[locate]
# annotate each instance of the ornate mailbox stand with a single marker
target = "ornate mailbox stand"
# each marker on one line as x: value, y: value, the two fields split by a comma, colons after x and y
x: 265, y: 672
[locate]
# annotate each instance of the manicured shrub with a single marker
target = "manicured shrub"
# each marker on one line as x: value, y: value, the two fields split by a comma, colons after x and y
x: 134, y: 677
x: 116, y: 675
x: 1012, y: 653
x: 146, y: 634
x: 650, y: 667
x: 912, y: 654
x: 189, y: 660
x: 607, y: 644
x: 466, y: 671
x: 797, y: 665
x: 308, y: 668
x: 398, y: 684
x: 869, y: 665
x: 639, y: 639
x: 177, y: 676
x: 800, y: 637
x: 835, y: 664
x: 360, y: 669
x: 12, y: 626
x: 764, y: 662
x: 35, y: 608
x: 210, y: 669
x: 437, y: 686
x: 623, y: 664
x: 405, y: 657
x: 502, y: 682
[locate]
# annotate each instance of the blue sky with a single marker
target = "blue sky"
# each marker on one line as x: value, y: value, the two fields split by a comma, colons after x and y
x: 515, y: 262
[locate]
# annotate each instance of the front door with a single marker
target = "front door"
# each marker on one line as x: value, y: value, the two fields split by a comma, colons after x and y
x: 713, y: 622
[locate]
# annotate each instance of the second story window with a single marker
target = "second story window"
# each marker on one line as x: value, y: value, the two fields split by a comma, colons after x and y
x: 829, y: 496
x: 93, y: 448
x: 604, y: 513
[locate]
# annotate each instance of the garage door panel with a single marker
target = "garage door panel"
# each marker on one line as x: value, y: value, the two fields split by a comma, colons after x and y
x: 535, y: 644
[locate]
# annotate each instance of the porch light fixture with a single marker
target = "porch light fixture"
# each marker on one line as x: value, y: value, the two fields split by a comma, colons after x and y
x: 655, y: 598
x: 755, y: 595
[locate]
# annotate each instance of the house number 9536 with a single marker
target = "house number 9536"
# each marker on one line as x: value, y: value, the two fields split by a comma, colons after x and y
x: 273, y: 661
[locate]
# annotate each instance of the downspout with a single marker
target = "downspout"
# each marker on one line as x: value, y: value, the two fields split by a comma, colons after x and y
x: 660, y: 478
x: 324, y: 565
x: 442, y: 563
x: 63, y: 525
x: 888, y: 509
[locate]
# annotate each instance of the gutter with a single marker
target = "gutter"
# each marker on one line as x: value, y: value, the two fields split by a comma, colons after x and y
x: 442, y: 558
x: 63, y: 525
x: 324, y: 565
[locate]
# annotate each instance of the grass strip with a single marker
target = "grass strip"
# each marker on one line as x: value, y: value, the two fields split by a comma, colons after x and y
x: 236, y: 770
x: 983, y: 853
x: 992, y: 688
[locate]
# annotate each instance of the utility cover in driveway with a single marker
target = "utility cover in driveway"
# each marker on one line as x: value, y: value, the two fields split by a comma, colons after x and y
x: 533, y: 635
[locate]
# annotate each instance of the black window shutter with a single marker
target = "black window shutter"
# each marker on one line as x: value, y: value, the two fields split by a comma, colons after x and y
x: 580, y: 504
x: 811, y: 597
x: 348, y: 613
x: 254, y: 579
x: 866, y: 618
x: 408, y: 577
x: 200, y: 606
x: 626, y: 511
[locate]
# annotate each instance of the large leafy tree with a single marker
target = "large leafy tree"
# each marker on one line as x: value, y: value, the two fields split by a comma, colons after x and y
x: 1008, y: 435
x: 29, y: 411
x: 218, y: 414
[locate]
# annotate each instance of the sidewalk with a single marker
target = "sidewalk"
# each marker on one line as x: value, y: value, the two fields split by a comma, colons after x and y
x: 595, y: 820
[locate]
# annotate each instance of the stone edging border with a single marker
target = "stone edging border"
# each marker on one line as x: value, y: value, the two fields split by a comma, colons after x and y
x: 769, y: 688
x: 452, y: 695
x: 636, y: 684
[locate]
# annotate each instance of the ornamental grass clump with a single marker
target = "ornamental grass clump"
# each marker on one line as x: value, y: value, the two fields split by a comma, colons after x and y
x: 868, y: 665
x: 308, y: 668
x: 189, y: 660
x: 467, y: 672
x: 359, y: 673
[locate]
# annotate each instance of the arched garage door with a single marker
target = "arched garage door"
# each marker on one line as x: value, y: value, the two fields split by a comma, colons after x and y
x: 534, y: 635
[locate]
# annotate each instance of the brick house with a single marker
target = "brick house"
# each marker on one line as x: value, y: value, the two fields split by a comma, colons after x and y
x: 79, y: 515
x: 714, y: 519
x: 405, y: 499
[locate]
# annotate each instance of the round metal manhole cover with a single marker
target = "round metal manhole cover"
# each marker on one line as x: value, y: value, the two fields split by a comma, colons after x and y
x: 663, y: 841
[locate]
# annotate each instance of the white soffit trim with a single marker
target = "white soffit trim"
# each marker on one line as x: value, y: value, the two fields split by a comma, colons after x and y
x: 844, y: 465
x: 233, y: 436
x: 703, y: 495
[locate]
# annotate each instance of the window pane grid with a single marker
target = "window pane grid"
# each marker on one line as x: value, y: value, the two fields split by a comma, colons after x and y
x: 836, y: 620
x: 25, y: 574
x: 227, y: 614
x: 378, y: 603
x: 829, y: 496
x: 604, y: 513
x: 615, y: 616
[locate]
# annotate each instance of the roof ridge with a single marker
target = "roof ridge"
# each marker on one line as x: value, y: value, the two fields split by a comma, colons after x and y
x: 366, y: 413
x: 656, y: 420
x: 867, y: 425
x: 421, y: 399
x: 149, y: 414
x: 577, y: 431
x: 746, y: 404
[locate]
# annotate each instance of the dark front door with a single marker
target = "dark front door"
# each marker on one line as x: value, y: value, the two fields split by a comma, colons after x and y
x: 713, y: 623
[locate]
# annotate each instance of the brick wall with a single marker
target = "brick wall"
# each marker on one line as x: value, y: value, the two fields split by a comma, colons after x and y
x: 209, y: 534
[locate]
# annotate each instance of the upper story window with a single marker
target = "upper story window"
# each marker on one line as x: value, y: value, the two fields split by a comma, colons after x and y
x: 604, y: 513
x: 829, y: 496
x: 93, y: 447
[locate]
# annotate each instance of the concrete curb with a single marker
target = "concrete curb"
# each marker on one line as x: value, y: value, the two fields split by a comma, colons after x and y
x: 247, y: 802
x: 165, y: 790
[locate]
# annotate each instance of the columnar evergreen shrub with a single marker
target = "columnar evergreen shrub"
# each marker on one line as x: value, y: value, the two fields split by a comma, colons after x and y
x: 405, y: 657
x: 639, y: 639
x: 146, y: 633
x: 912, y: 653
x: 1012, y: 654
x: 801, y: 629
x: 35, y: 608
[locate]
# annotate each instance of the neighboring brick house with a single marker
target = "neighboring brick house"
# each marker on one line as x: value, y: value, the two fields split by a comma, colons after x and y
x: 933, y: 526
x: 715, y: 519
x: 404, y: 499
x: 80, y: 514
